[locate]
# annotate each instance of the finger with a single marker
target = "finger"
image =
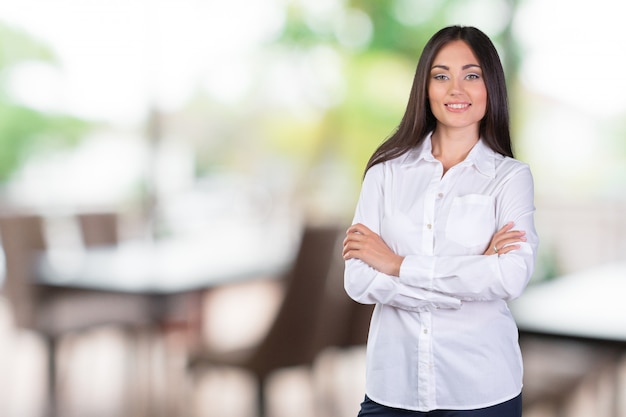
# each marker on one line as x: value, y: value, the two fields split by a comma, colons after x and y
x: 353, y: 238
x: 512, y: 234
x: 493, y: 249
x: 358, y: 228
x: 351, y: 253
x: 510, y: 240
x: 347, y: 252
x: 347, y: 246
x: 353, y: 243
x: 507, y: 226
x: 507, y: 249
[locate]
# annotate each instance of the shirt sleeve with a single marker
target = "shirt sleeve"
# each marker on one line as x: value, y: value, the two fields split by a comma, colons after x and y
x: 366, y: 285
x: 482, y: 277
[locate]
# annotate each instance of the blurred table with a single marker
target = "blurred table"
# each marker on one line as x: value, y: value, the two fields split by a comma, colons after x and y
x: 589, y: 304
x: 172, y: 273
x: 573, y: 335
x: 170, y: 265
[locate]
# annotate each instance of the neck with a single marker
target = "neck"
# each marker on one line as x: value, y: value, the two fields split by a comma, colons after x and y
x: 451, y: 147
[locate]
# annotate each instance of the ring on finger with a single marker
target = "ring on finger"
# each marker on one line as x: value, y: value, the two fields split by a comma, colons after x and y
x: 495, y: 248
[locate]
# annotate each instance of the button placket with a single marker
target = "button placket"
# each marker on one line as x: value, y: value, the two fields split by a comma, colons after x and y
x: 425, y: 366
x: 430, y: 200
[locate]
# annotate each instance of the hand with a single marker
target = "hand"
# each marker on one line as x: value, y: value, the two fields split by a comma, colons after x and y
x: 361, y: 243
x: 505, y: 240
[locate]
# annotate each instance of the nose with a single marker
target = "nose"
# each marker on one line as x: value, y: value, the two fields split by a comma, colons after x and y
x: 455, y: 86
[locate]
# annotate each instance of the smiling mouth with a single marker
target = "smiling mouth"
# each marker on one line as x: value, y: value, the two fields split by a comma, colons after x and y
x: 458, y: 106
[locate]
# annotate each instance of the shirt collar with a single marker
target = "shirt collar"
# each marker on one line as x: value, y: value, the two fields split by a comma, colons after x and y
x: 482, y: 157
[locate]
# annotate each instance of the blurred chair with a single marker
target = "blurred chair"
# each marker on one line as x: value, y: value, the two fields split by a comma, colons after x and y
x: 313, y: 314
x: 555, y: 366
x: 342, y: 322
x: 54, y: 311
x: 331, y: 327
x: 98, y: 228
x: 360, y: 316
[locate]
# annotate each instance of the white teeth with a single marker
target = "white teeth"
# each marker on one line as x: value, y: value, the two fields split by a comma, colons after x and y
x: 457, y: 106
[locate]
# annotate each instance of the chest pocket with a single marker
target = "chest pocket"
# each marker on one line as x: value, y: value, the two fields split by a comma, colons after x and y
x: 471, y: 220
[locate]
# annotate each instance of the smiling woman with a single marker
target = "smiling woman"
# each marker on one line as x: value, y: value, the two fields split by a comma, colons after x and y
x: 442, y: 238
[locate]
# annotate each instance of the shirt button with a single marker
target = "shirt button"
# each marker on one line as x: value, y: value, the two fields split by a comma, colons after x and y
x: 440, y: 195
x: 425, y: 331
x: 429, y: 226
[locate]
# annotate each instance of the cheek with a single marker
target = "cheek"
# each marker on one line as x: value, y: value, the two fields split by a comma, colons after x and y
x: 434, y: 96
x: 480, y: 100
x: 435, y: 91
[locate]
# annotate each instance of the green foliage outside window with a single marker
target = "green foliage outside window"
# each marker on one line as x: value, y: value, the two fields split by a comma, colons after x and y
x: 23, y: 130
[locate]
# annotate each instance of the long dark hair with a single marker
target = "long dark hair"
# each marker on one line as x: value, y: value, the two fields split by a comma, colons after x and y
x: 418, y: 119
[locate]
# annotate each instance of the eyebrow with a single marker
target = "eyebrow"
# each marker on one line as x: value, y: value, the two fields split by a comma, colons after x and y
x: 445, y: 67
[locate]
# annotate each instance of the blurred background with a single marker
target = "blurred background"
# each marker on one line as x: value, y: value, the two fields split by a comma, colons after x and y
x: 252, y: 121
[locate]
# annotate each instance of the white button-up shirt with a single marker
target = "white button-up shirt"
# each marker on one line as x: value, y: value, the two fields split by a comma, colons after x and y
x: 442, y: 336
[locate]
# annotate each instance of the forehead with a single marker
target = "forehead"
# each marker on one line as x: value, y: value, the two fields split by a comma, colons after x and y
x: 455, y: 52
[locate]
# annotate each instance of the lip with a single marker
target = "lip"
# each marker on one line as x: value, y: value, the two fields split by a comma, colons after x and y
x: 458, y: 107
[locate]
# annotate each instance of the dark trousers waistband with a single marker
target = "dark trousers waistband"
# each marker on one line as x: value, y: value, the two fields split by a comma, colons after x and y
x: 510, y: 408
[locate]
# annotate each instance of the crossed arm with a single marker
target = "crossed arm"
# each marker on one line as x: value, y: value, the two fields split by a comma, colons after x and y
x: 375, y: 273
x: 362, y: 243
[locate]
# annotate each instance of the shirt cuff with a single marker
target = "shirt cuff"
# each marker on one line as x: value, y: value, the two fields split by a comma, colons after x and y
x: 418, y: 271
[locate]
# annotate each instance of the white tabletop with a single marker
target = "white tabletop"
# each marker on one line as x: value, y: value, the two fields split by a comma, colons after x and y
x: 588, y: 304
x: 174, y: 264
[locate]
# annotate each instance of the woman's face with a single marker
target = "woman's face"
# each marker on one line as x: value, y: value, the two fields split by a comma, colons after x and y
x: 456, y: 89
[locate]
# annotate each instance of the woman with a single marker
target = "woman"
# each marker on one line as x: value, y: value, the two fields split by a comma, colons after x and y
x: 443, y: 237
